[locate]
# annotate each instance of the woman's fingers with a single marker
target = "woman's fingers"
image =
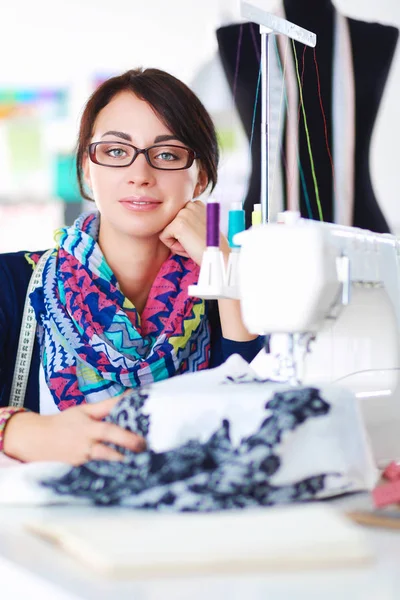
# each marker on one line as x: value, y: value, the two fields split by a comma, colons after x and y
x: 175, y: 246
x: 74, y: 436
x: 186, y: 234
x: 114, y: 434
x: 99, y: 451
x: 99, y: 410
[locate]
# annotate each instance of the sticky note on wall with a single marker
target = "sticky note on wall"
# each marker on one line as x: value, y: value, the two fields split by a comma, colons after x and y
x: 24, y: 142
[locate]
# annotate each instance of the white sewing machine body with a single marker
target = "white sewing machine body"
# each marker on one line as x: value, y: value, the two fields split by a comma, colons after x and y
x: 334, y: 294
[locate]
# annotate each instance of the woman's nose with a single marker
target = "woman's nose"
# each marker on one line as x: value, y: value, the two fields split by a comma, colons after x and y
x: 140, y: 171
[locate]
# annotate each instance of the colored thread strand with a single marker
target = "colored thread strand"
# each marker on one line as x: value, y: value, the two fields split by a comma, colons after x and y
x: 302, y: 178
x: 302, y: 83
x: 258, y: 55
x: 325, y: 124
x: 303, y: 67
x: 253, y: 122
x: 306, y: 195
x: 307, y: 135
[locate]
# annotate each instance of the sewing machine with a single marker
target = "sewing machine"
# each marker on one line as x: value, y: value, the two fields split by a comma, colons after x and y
x: 329, y: 297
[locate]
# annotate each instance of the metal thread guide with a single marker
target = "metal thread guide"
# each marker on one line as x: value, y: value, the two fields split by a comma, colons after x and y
x: 214, y: 280
x: 269, y: 23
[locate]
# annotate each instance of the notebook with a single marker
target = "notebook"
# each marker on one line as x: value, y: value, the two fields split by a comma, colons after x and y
x: 125, y: 543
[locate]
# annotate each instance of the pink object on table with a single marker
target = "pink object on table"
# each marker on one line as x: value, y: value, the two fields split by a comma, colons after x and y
x: 392, y: 471
x: 386, y: 494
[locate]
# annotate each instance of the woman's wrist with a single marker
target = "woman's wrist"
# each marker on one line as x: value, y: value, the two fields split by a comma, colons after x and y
x: 7, y: 415
x: 232, y: 325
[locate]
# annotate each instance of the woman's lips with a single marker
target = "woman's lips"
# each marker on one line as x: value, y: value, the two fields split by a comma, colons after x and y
x: 140, y: 203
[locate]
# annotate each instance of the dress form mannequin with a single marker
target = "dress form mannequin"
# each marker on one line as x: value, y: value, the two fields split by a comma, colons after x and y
x: 372, y: 47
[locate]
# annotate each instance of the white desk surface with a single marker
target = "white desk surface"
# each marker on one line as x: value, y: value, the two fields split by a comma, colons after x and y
x: 33, y: 568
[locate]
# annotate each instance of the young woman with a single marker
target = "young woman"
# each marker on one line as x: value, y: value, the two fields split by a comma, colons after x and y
x: 112, y: 309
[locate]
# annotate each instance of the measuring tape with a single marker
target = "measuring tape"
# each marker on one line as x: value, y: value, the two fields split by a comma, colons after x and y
x: 26, y: 339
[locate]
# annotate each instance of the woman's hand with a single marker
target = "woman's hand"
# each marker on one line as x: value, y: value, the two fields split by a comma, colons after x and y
x: 74, y: 436
x: 186, y: 234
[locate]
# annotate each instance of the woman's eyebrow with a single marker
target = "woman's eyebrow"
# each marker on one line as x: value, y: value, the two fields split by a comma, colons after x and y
x: 165, y: 138
x: 121, y: 134
x: 127, y: 137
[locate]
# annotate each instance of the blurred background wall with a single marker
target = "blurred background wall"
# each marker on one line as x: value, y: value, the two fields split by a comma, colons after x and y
x: 55, y: 52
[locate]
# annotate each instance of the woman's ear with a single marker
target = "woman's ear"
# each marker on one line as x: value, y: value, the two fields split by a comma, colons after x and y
x: 202, y: 182
x: 86, y: 171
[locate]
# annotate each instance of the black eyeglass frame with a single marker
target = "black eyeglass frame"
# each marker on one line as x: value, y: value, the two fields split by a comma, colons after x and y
x: 191, y: 156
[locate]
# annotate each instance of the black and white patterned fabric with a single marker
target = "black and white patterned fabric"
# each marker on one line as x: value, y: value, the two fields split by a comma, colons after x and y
x: 253, y: 446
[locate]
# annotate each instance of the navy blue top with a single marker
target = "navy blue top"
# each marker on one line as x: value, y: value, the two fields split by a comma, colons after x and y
x: 15, y: 273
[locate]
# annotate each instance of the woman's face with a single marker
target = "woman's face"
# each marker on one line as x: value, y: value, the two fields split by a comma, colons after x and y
x: 138, y: 200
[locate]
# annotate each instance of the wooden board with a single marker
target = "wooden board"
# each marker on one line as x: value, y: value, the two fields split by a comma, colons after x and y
x: 133, y: 543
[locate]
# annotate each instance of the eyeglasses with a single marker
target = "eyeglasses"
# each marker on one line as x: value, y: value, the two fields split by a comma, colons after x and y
x: 165, y: 158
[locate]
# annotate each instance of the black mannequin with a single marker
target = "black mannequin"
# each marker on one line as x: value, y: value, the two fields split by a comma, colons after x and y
x: 373, y: 47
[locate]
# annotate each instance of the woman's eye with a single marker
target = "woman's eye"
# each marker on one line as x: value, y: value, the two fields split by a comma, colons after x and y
x: 166, y: 156
x: 116, y: 152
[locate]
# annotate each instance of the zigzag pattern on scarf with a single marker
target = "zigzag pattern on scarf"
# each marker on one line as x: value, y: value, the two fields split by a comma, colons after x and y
x: 94, y: 343
x: 198, y: 350
x: 32, y: 258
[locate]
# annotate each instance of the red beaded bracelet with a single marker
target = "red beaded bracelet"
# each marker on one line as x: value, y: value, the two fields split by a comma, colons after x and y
x: 5, y: 415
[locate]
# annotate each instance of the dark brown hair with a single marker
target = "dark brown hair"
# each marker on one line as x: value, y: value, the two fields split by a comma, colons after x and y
x: 175, y: 104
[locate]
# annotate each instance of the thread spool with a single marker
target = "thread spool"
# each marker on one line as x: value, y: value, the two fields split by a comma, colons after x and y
x: 213, y: 215
x: 236, y: 222
x: 256, y: 215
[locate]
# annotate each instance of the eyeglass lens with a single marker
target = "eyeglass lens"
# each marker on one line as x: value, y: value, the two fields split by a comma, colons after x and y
x: 160, y: 157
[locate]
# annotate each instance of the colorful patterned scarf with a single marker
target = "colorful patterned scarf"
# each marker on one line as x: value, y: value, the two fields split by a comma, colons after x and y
x: 93, y: 342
